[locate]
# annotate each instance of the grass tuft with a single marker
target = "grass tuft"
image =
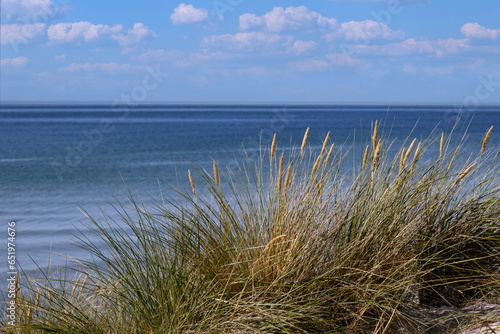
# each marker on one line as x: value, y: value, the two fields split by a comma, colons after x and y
x: 307, y: 244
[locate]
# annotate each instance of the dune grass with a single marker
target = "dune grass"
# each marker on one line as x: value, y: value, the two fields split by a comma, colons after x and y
x: 292, y: 243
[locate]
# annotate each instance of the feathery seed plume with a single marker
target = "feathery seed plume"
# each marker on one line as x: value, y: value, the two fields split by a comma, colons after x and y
x: 441, y: 145
x: 216, y: 173
x: 329, y: 154
x: 316, y: 164
x: 376, y: 153
x: 485, y: 139
x: 304, y: 141
x: 465, y: 172
x: 191, y: 182
x: 287, y: 176
x: 375, y: 135
x: 273, y: 147
x: 280, y: 171
x: 365, y: 156
x: 325, y: 142
x: 416, y: 155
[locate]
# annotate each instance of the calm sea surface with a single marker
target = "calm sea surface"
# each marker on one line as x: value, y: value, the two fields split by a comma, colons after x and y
x: 56, y: 158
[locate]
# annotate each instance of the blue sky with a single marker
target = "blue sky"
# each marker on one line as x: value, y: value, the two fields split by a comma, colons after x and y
x: 323, y: 51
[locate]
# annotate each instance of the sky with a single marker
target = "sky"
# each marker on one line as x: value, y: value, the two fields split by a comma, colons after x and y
x: 249, y: 51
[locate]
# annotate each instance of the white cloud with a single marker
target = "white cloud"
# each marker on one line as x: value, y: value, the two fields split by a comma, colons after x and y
x: 450, y: 45
x: 249, y: 41
x: 112, y: 68
x: 318, y: 64
x: 137, y: 34
x: 80, y: 31
x: 280, y: 20
x: 184, y: 14
x: 301, y: 47
x: 84, y: 31
x: 362, y: 31
x: 413, y: 47
x: 287, y: 19
x: 14, y: 62
x: 250, y: 21
x: 476, y: 30
x: 34, y: 11
x: 20, y: 33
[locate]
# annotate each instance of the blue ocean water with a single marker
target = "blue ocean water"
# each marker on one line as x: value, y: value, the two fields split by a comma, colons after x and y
x: 56, y: 158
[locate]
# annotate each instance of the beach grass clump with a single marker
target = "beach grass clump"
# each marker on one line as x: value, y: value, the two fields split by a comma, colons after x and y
x: 300, y: 241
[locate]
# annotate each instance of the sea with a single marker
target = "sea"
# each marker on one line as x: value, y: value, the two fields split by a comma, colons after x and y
x: 57, y: 160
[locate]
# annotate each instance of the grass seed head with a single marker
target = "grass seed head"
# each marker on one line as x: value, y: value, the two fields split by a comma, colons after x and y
x: 405, y: 154
x: 329, y: 154
x: 402, y: 160
x: 316, y: 165
x: 273, y: 147
x: 408, y: 152
x: 365, y: 156
x: 280, y: 171
x: 216, y: 173
x: 84, y: 283
x: 462, y: 175
x: 416, y: 155
x: 77, y: 282
x: 325, y: 143
x: 441, y: 145
x: 375, y: 134
x: 304, y: 140
x: 287, y: 176
x: 485, y: 139
x: 191, y: 182
x: 376, y: 153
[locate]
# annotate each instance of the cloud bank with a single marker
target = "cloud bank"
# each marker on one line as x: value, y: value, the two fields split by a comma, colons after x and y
x: 185, y: 14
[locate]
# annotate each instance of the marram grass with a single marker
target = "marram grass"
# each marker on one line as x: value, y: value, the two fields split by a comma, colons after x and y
x: 289, y: 244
